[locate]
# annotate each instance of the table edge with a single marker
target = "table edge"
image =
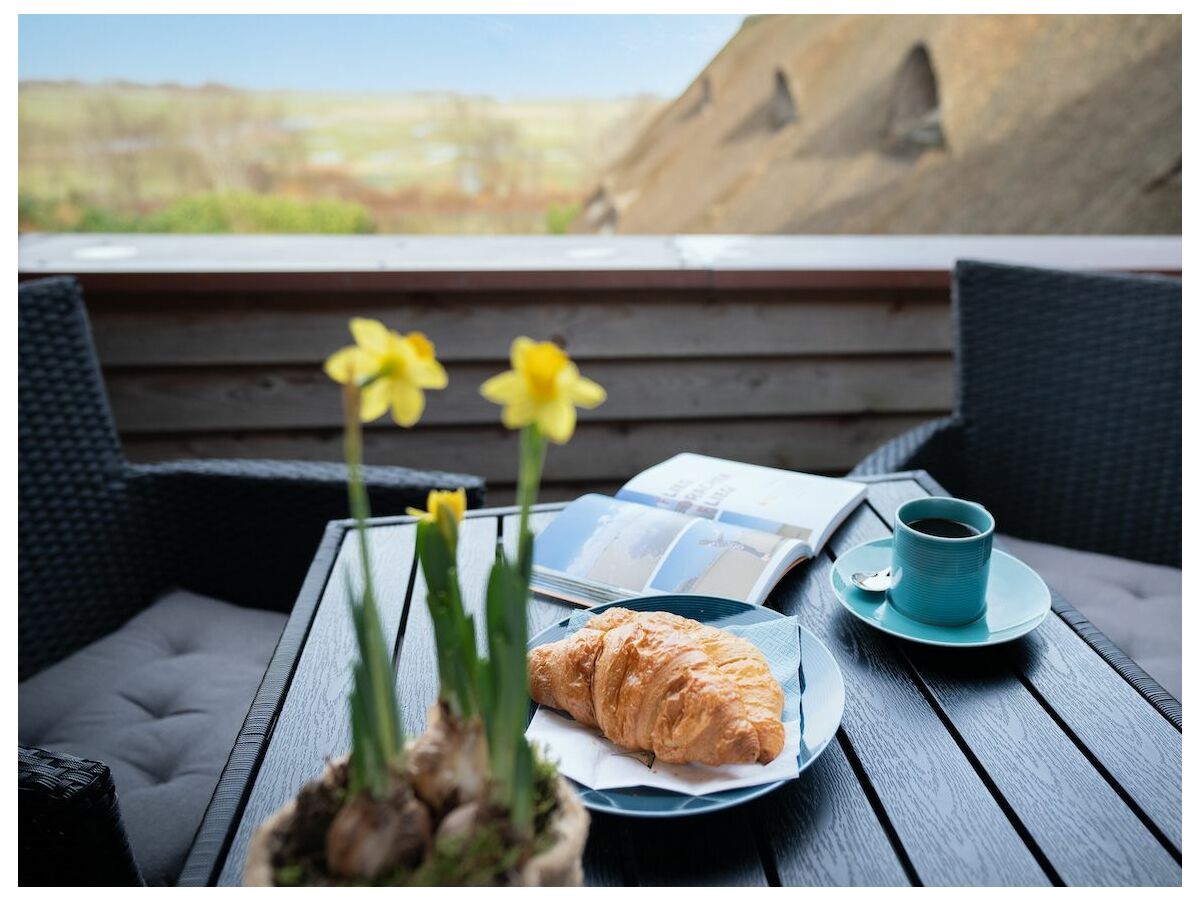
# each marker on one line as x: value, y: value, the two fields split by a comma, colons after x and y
x: 209, y: 850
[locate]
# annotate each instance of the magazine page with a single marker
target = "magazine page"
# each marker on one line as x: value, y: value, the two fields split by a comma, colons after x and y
x: 599, y: 543
x: 807, y: 508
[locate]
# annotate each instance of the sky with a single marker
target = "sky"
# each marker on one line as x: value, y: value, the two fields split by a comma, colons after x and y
x: 507, y: 57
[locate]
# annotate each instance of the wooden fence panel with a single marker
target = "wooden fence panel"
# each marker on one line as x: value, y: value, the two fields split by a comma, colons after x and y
x: 140, y: 330
x: 187, y: 399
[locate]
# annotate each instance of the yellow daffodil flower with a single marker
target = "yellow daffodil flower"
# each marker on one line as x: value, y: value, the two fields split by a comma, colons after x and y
x: 454, y: 501
x: 445, y: 510
x: 542, y: 388
x: 394, y: 370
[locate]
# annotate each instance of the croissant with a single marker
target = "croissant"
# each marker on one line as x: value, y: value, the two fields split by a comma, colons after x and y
x: 660, y: 682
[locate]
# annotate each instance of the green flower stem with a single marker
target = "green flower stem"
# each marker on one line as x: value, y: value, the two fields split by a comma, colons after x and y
x: 360, y: 508
x: 377, y: 749
x: 507, y: 670
x: 529, y: 475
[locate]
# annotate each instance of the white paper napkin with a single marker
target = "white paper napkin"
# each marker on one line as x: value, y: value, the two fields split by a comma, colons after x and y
x: 584, y: 755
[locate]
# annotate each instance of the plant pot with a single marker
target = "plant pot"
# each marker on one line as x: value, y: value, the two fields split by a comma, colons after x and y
x: 559, y: 865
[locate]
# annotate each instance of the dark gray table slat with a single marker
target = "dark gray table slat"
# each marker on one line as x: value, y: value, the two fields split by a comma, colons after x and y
x: 314, y: 722
x: 948, y: 822
x: 605, y: 860
x: 717, y: 849
x: 1138, y: 747
x: 1088, y: 833
x: 416, y: 668
x: 821, y: 829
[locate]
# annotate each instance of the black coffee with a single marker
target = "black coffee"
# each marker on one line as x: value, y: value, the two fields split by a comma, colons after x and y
x: 946, y: 528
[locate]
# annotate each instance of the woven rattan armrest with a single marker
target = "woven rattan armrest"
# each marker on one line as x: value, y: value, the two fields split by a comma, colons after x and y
x: 69, y: 823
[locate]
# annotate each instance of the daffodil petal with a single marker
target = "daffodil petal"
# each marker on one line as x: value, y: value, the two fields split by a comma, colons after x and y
x: 519, y: 413
x: 371, y: 335
x: 408, y: 402
x: 503, y: 388
x: 349, y: 364
x: 586, y: 393
x: 520, y: 346
x: 374, y: 401
x: 556, y: 420
x: 429, y: 373
x: 413, y: 511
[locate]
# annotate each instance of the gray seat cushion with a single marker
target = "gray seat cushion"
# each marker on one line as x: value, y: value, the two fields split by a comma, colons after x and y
x: 1139, y: 606
x: 160, y: 701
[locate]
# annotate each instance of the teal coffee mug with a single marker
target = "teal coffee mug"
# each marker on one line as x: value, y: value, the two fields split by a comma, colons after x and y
x: 941, y: 555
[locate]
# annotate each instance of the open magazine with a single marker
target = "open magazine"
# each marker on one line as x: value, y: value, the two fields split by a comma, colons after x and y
x: 690, y: 525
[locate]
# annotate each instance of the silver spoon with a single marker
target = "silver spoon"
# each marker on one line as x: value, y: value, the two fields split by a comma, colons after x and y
x: 876, y: 582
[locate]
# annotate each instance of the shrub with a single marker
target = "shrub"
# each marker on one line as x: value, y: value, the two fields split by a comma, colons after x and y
x: 560, y: 216
x: 209, y: 213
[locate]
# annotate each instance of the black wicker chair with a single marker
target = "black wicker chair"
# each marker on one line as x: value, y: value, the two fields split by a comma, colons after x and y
x: 1067, y: 412
x: 100, y: 538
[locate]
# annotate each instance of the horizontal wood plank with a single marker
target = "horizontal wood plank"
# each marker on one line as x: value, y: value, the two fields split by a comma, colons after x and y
x: 550, y: 492
x: 598, y: 452
x: 314, y: 722
x: 654, y: 325
x: 205, y: 400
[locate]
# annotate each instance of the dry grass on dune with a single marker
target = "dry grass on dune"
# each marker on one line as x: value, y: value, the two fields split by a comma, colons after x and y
x: 1048, y: 124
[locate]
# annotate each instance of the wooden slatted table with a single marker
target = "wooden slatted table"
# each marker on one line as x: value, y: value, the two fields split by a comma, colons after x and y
x: 1031, y: 763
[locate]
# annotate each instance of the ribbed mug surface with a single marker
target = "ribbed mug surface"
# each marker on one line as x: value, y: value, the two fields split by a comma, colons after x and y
x: 941, y: 580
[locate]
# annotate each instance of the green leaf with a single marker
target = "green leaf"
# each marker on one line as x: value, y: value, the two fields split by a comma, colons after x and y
x: 510, y: 759
x: 378, y: 740
x: 453, y: 629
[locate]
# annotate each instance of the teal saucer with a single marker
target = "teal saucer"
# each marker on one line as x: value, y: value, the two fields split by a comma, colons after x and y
x: 1017, y: 601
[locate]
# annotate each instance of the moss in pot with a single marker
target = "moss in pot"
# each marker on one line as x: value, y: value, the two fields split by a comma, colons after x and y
x: 468, y: 801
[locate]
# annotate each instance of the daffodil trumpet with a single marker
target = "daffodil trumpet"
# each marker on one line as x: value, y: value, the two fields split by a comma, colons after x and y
x: 445, y: 509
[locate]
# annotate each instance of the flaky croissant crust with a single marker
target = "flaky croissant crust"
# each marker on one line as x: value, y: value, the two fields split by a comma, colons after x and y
x: 660, y: 682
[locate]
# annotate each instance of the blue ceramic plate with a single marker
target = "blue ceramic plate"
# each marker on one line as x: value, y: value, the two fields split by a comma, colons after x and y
x: 823, y: 698
x: 1017, y: 601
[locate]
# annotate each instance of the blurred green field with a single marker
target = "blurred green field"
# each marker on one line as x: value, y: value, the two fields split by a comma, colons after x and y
x: 164, y: 158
